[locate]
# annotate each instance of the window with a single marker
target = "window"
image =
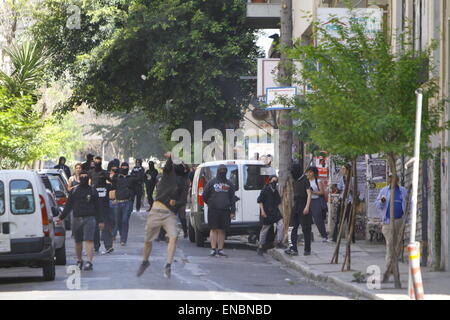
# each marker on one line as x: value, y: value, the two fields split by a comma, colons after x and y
x: 2, y: 198
x: 56, y: 184
x: 232, y: 174
x: 255, y: 177
x: 22, y: 197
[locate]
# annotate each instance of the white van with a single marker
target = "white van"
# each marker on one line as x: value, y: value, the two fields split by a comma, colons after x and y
x: 26, y: 222
x: 249, y: 177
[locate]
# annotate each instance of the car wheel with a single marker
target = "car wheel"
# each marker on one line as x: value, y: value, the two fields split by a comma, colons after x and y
x: 48, y: 270
x: 191, y: 231
x: 199, y: 238
x: 60, y: 256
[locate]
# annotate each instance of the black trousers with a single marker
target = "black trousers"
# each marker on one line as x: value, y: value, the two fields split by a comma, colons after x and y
x: 305, y: 221
x: 138, y: 199
x: 149, y: 189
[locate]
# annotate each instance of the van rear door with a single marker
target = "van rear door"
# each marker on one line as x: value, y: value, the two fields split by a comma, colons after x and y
x: 25, y: 218
x: 5, y: 237
x: 255, y: 176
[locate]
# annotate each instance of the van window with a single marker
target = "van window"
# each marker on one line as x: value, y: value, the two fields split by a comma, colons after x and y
x: 56, y: 184
x: 255, y: 177
x: 232, y: 174
x: 21, y: 196
x: 2, y: 198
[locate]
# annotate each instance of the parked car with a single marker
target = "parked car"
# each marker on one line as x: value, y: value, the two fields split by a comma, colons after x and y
x: 59, y: 183
x: 249, y: 177
x: 27, y: 235
x: 60, y: 230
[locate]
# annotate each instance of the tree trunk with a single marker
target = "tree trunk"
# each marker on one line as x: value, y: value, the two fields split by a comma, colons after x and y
x: 344, y: 206
x: 284, y: 119
x: 394, y: 256
x: 347, y: 259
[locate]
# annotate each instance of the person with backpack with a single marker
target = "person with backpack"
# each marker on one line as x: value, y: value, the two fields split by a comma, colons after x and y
x: 87, y: 213
x: 219, y: 195
x: 269, y: 201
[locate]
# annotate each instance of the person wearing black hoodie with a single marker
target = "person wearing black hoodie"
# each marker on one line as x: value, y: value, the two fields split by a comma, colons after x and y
x: 100, y: 181
x: 163, y: 214
x: 219, y: 195
x: 151, y: 178
x: 62, y: 165
x: 269, y: 201
x: 86, y: 166
x: 123, y: 185
x: 85, y: 203
x: 138, y: 187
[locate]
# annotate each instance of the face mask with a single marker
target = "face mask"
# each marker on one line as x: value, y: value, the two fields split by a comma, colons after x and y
x: 115, y: 170
x: 222, y: 174
x: 98, y: 166
x: 274, y: 184
x: 84, y: 181
x: 124, y: 171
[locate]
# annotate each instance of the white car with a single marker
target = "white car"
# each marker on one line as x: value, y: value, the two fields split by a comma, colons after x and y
x: 26, y: 222
x: 249, y: 177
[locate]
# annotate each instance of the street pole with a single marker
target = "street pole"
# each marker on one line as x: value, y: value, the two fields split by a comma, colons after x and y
x: 415, y: 287
x: 284, y: 119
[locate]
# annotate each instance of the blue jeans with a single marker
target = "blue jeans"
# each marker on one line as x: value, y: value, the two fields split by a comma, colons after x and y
x: 114, y: 215
x: 123, y: 212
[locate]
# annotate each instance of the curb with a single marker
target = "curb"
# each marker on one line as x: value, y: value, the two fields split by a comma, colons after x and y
x: 321, y: 277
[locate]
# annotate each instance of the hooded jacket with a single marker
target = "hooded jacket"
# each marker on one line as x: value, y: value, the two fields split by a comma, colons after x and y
x: 219, y: 194
x: 167, y: 188
x: 85, y: 202
x: 270, y: 198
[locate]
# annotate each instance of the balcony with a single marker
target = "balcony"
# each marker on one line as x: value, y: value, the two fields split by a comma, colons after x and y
x: 263, y: 15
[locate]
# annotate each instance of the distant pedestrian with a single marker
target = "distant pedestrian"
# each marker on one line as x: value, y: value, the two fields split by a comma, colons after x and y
x: 138, y: 186
x: 123, y: 185
x: 269, y: 201
x: 62, y: 165
x: 383, y: 203
x: 75, y: 179
x: 86, y: 166
x: 317, y: 191
x: 100, y: 181
x: 113, y: 172
x: 163, y: 214
x: 151, y: 178
x: 182, y: 172
x: 300, y: 214
x: 86, y: 213
x: 219, y: 195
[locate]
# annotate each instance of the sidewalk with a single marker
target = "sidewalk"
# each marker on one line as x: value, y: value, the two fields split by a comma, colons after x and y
x: 364, y: 254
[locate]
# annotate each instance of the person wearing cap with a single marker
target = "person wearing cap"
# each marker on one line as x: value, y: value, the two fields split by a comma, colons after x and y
x: 219, y: 195
x: 269, y: 201
x: 383, y: 204
x: 163, y: 214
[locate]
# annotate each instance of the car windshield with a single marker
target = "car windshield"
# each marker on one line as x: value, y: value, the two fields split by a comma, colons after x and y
x: 232, y: 174
x: 2, y: 198
x: 22, y: 198
x: 255, y: 177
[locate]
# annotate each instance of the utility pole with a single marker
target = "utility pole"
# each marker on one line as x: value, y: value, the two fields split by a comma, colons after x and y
x: 284, y: 120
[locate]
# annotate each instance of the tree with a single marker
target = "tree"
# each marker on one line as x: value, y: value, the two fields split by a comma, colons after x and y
x: 363, y: 97
x: 177, y: 61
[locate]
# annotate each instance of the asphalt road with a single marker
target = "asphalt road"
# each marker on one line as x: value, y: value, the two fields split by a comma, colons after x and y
x: 195, y: 275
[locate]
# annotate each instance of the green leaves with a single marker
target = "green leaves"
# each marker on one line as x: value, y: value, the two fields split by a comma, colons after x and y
x: 362, y: 98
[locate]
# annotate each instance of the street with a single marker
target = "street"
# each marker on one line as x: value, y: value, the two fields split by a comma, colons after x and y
x: 243, y: 275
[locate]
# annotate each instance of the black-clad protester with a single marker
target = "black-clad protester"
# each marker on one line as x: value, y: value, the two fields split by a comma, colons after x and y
x: 62, y: 165
x: 100, y: 181
x: 300, y: 214
x: 269, y: 201
x: 123, y: 185
x: 87, y: 213
x: 182, y: 172
x: 138, y: 187
x: 219, y: 195
x: 86, y: 166
x: 151, y: 178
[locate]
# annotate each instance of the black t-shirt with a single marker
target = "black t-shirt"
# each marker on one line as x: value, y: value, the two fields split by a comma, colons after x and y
x: 301, y: 188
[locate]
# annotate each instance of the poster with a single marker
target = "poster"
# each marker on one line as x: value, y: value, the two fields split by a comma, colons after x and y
x: 377, y: 172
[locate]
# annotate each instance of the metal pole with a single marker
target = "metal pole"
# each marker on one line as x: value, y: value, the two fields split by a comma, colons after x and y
x: 415, y: 275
